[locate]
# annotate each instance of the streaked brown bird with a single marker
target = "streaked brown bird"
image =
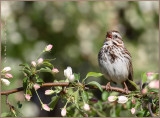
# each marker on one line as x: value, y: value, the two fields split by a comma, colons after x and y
x: 115, y: 61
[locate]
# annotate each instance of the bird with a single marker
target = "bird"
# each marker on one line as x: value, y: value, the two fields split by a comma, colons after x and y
x: 115, y: 61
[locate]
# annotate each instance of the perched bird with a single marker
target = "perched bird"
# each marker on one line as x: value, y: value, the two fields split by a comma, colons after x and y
x: 115, y: 61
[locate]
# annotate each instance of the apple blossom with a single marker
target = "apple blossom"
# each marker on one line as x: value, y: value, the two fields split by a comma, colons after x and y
x: 154, y: 84
x: 40, y: 61
x: 36, y: 86
x: 49, y: 92
x: 49, y: 47
x: 6, y: 69
x: 7, y: 75
x: 150, y: 75
x: 55, y: 70
x: 33, y: 63
x: 133, y: 110
x: 45, y: 107
x: 28, y: 97
x: 122, y: 99
x: 71, y: 78
x: 112, y: 98
x: 86, y: 107
x: 68, y: 72
x: 144, y: 91
x: 133, y: 102
x: 63, y: 112
x: 5, y: 82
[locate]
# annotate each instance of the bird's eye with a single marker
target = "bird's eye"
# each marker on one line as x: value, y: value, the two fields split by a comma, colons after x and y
x: 116, y: 36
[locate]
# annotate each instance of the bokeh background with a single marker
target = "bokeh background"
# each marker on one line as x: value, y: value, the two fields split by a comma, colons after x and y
x: 77, y: 31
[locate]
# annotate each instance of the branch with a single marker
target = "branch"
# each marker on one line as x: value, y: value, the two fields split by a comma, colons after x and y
x: 65, y: 84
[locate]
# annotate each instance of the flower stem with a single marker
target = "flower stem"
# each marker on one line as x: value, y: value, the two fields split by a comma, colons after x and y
x: 40, y: 55
x: 39, y: 98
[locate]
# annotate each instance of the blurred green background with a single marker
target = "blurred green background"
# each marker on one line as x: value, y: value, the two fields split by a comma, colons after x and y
x: 77, y: 31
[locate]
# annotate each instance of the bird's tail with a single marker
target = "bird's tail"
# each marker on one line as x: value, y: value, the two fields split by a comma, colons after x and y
x: 131, y: 85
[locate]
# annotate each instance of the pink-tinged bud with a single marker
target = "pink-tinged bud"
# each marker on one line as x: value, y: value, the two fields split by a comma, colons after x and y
x: 63, y: 112
x: 151, y: 92
x: 49, y: 92
x: 6, y: 69
x: 45, y: 107
x: 86, y: 107
x: 122, y: 99
x: 144, y: 91
x: 8, y: 75
x: 40, y: 61
x: 150, y: 75
x: 55, y: 70
x: 133, y: 110
x: 154, y: 84
x: 112, y: 98
x: 71, y: 78
x: 49, y: 47
x: 5, y: 82
x: 28, y: 97
x: 36, y: 86
x: 33, y: 63
x: 133, y: 102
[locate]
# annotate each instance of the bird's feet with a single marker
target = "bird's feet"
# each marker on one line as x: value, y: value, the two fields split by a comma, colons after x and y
x: 108, y: 86
x: 126, y: 88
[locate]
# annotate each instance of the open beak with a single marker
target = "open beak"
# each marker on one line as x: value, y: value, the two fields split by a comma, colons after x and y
x: 109, y: 36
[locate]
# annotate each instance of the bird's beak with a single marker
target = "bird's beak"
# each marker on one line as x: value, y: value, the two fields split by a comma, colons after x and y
x: 109, y: 36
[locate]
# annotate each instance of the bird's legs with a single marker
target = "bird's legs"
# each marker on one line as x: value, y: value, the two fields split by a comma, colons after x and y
x: 125, y: 88
x: 108, y: 86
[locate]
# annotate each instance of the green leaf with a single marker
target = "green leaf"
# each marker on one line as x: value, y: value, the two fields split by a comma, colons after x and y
x: 105, y: 95
x: 45, y: 70
x: 144, y: 77
x: 77, y: 76
x: 76, y: 97
x: 29, y: 92
x: 94, y: 74
x: 47, y: 64
x: 25, y: 65
x: 27, y: 72
x: 40, y: 80
x: 133, y: 83
x: 140, y: 113
x: 25, y: 82
x: 85, y: 96
x: 94, y: 83
x: 53, y: 102
x: 48, y: 60
x: 153, y: 90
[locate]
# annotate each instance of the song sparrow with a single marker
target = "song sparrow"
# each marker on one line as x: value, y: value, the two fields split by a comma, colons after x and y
x: 115, y: 61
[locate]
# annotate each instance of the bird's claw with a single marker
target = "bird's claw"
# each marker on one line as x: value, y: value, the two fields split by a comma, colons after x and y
x: 108, y: 87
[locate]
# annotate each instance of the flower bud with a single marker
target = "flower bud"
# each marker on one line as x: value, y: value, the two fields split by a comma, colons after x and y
x: 36, y: 86
x: 7, y: 75
x: 68, y: 72
x: 6, y: 69
x: 112, y: 98
x: 122, y: 99
x: 63, y: 112
x: 71, y: 78
x: 154, y: 84
x: 55, y: 70
x: 33, y: 63
x: 49, y: 92
x: 133, y: 102
x: 40, y: 61
x: 49, y: 47
x: 150, y: 75
x: 45, y: 107
x: 133, y: 110
x: 86, y: 107
x: 144, y: 91
x: 5, y: 82
x: 28, y: 97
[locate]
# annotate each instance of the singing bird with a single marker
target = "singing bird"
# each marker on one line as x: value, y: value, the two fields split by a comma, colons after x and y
x: 115, y: 61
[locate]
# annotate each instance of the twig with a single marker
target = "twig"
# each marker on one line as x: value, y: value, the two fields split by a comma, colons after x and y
x: 65, y: 84
x: 150, y: 110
